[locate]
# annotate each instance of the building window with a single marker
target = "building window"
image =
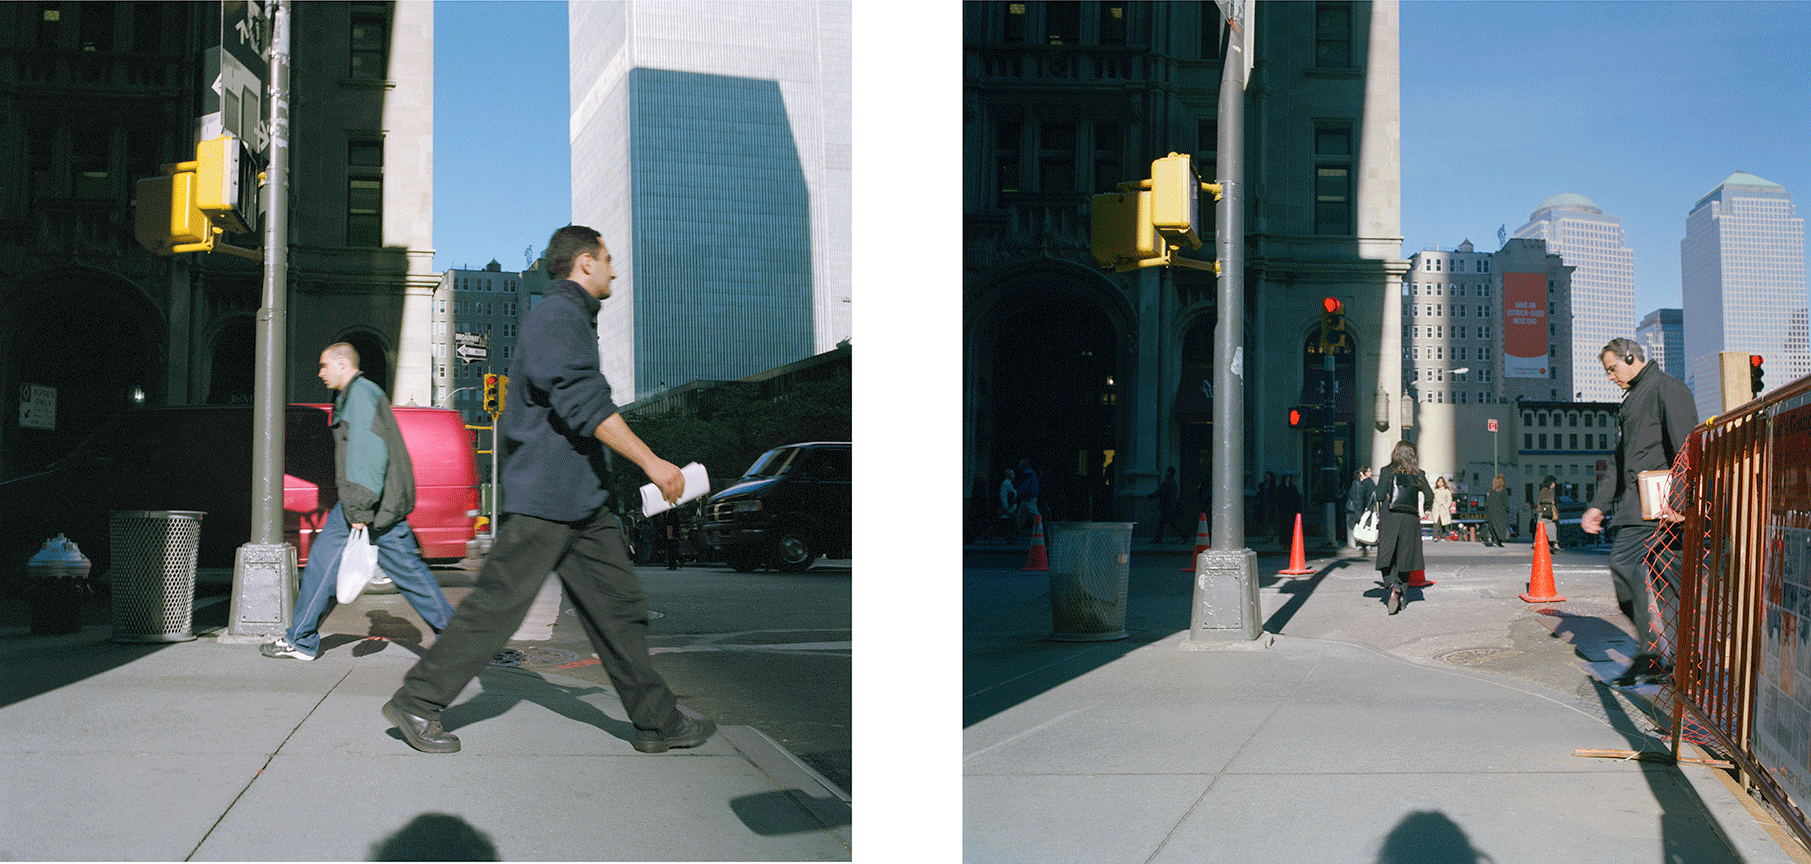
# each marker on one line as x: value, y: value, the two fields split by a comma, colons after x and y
x: 1113, y: 24
x: 1016, y: 15
x: 1109, y: 151
x: 1333, y: 179
x: 370, y: 41
x: 1056, y: 154
x: 1332, y: 35
x: 365, y: 192
x: 1007, y: 155
x: 1063, y: 23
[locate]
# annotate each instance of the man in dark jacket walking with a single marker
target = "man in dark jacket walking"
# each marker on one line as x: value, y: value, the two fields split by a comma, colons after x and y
x: 377, y: 490
x: 554, y: 431
x: 1656, y: 416
x: 1358, y: 498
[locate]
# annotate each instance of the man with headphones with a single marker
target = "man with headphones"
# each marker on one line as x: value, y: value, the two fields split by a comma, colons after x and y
x: 1656, y: 416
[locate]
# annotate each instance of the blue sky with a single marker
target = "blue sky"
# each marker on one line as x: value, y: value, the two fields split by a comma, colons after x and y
x: 1642, y: 107
x: 502, y: 161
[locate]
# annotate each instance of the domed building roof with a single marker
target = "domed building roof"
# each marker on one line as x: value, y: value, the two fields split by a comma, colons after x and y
x: 1565, y: 201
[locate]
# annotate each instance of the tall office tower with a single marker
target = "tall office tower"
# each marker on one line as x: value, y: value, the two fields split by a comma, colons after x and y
x: 711, y: 147
x: 1662, y: 335
x: 1742, y: 274
x: 1603, y: 282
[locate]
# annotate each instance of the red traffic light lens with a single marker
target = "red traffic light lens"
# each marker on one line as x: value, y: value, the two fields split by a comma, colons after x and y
x: 1332, y: 306
x: 1754, y: 360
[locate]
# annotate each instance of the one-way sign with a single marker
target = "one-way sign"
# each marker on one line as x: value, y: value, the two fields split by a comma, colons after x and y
x: 473, y: 347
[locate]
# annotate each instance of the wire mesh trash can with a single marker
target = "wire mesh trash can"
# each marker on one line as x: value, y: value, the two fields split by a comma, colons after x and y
x: 1089, y: 569
x: 153, y: 574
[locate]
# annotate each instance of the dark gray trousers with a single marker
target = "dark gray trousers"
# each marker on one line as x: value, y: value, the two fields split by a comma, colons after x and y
x: 1629, y: 573
x: 601, y: 582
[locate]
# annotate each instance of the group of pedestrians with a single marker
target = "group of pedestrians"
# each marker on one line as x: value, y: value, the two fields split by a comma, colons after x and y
x: 1016, y: 506
x: 1656, y: 417
x: 554, y: 432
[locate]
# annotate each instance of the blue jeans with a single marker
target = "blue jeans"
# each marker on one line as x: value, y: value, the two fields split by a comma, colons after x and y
x: 398, y: 556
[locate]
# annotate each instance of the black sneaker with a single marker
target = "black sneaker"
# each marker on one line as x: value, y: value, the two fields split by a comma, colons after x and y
x: 692, y: 732
x: 1646, y: 669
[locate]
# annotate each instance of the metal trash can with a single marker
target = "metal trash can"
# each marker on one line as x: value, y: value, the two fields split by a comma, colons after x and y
x: 153, y: 574
x: 1089, y: 570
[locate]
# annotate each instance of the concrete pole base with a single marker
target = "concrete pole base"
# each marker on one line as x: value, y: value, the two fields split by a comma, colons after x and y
x: 1226, y: 597
x: 264, y: 593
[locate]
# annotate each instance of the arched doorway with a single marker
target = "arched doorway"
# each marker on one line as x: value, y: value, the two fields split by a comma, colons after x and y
x: 1329, y: 439
x: 85, y: 345
x: 1056, y: 400
x: 1195, y: 416
x: 373, y: 356
x: 232, y: 368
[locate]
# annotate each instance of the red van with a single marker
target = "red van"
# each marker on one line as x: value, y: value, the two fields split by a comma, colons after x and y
x: 199, y: 458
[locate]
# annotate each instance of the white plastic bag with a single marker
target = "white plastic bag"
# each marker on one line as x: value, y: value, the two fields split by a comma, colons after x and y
x: 358, y: 565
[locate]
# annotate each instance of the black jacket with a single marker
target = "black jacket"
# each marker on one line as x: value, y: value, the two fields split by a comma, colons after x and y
x: 552, y: 466
x: 1657, y: 414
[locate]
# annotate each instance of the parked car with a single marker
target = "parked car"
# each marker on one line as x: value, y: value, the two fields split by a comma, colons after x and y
x: 200, y: 458
x: 792, y: 506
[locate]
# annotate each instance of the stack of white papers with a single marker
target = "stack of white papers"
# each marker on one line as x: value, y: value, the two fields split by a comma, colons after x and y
x: 697, y: 484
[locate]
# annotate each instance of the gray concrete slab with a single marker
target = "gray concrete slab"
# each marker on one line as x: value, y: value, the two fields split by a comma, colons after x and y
x: 210, y: 751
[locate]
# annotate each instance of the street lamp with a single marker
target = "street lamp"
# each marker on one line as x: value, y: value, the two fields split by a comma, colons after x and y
x: 1381, y: 414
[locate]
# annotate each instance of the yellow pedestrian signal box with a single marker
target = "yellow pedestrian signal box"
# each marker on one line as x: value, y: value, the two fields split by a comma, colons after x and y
x: 1121, y: 233
x: 496, y: 391
x: 167, y: 220
x: 226, y: 184
x: 1176, y: 199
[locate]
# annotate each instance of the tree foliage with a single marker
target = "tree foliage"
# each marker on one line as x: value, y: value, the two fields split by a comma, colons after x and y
x: 734, y: 426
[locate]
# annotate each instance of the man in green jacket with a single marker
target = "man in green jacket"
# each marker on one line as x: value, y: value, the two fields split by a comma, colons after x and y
x: 377, y: 490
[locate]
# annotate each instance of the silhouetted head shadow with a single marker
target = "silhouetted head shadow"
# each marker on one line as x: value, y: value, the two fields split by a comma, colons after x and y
x: 1428, y: 838
x: 436, y: 837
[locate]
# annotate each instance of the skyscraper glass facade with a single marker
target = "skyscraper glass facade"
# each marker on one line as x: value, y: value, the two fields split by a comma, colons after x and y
x: 1742, y: 275
x: 1603, y: 282
x: 710, y: 146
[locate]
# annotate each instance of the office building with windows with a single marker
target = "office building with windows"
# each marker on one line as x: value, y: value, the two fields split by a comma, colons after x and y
x: 1103, y: 380
x: 1662, y: 335
x: 711, y: 147
x: 1603, y: 282
x: 1482, y: 333
x: 96, y: 96
x: 1742, y: 276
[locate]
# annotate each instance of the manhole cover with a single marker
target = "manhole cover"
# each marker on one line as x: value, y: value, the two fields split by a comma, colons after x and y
x: 1475, y: 656
x: 534, y: 657
x: 1579, y: 610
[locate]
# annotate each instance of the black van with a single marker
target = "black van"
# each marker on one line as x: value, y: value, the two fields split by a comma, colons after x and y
x: 790, y: 507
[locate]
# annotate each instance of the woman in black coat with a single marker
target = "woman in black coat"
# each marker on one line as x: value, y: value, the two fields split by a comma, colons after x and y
x: 1404, y: 492
x: 1496, y: 510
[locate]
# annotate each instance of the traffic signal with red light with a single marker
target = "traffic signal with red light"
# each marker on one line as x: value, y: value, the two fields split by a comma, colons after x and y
x: 1754, y: 374
x: 1333, y: 327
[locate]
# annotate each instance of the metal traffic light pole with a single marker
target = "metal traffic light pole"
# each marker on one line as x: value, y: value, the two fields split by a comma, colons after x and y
x: 265, y: 569
x: 1225, y: 601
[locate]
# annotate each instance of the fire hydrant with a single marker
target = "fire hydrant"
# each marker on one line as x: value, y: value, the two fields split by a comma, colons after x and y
x: 59, y: 585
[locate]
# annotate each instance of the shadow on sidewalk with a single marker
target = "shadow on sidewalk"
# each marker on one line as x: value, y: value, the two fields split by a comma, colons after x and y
x: 1008, y: 656
x: 1688, y: 830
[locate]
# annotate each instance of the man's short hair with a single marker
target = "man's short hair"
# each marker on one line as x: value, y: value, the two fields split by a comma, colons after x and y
x: 1628, y: 349
x: 343, y: 351
x: 566, y: 246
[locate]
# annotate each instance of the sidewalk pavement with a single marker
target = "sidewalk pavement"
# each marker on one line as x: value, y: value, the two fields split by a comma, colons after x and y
x: 205, y: 750
x: 1445, y: 733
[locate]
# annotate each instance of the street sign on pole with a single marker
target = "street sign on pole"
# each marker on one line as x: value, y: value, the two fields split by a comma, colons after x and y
x: 473, y: 347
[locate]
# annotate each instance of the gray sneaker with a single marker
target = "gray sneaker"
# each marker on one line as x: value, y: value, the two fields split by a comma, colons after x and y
x: 692, y: 732
x: 281, y: 648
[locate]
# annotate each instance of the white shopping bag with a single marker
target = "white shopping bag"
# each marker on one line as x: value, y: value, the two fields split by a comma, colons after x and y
x: 358, y: 565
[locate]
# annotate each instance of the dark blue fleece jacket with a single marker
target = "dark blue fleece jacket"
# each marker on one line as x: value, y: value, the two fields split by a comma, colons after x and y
x: 553, y: 467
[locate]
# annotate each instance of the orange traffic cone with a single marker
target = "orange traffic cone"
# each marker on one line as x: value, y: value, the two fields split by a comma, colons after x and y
x: 1200, y: 544
x: 1418, y: 579
x: 1540, y: 576
x: 1038, y: 559
x: 1298, y: 563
